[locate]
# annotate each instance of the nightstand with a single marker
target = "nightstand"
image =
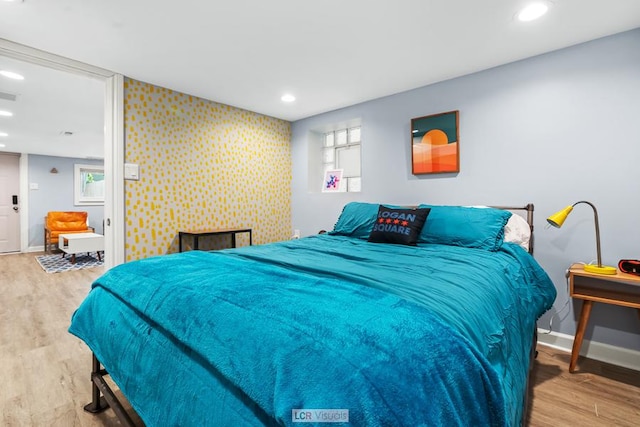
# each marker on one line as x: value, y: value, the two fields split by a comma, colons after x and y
x: 619, y: 289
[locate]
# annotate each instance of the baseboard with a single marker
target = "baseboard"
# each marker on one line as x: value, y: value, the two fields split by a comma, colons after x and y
x: 35, y: 249
x: 593, y: 350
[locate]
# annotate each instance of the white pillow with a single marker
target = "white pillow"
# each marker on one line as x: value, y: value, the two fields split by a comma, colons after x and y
x: 517, y: 230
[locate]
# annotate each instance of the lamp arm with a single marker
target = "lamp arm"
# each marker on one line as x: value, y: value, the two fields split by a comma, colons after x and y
x: 595, y: 214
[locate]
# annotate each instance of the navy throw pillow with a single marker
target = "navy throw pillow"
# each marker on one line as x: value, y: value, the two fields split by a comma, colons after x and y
x: 398, y: 226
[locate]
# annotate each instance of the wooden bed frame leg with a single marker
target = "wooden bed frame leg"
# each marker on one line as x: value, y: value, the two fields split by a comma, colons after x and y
x: 108, y: 398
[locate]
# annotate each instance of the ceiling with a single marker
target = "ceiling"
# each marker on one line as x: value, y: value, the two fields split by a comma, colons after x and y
x: 49, y: 104
x: 329, y: 54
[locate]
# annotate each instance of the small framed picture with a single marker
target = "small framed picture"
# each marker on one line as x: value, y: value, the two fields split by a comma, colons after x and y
x: 332, y: 182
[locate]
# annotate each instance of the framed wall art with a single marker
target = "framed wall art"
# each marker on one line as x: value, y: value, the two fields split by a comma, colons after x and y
x: 435, y: 144
x: 332, y: 182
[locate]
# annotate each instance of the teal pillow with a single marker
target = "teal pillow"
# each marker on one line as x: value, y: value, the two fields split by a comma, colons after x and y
x: 481, y: 228
x: 357, y: 220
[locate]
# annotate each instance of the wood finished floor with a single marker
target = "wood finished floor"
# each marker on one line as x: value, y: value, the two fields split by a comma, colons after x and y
x: 44, y: 371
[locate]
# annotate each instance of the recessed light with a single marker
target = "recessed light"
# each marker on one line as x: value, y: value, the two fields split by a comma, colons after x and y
x: 11, y: 75
x: 533, y: 12
x: 2, y: 145
x: 4, y: 134
x: 6, y: 113
x: 288, y: 98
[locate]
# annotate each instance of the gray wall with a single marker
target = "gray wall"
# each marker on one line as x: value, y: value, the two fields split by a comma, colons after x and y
x: 550, y: 130
x: 55, y: 193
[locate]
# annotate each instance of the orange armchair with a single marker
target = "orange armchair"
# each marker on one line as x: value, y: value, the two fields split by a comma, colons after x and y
x: 56, y: 223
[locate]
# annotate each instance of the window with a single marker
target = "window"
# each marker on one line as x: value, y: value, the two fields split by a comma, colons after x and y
x: 88, y: 185
x: 341, y: 150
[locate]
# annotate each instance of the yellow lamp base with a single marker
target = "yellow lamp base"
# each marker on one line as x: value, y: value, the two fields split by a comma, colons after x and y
x: 605, y: 269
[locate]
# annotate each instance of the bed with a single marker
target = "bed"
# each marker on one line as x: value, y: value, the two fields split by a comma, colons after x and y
x: 348, y: 327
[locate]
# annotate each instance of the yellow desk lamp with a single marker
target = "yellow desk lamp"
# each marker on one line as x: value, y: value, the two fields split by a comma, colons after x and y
x: 557, y: 219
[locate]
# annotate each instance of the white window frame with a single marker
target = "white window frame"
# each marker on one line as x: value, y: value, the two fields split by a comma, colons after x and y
x: 352, y: 182
x: 80, y: 198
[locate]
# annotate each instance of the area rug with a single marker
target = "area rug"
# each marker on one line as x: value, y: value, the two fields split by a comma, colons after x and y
x: 56, y: 264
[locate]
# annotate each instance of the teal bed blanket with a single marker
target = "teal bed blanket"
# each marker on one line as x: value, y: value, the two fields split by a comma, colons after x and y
x: 325, y: 326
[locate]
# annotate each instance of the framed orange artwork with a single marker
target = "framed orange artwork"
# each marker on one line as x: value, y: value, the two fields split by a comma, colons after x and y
x: 435, y: 144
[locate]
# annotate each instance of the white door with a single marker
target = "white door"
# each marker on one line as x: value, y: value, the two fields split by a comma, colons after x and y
x: 9, y: 203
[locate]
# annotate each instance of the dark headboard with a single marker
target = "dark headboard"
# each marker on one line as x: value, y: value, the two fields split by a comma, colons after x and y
x: 528, y: 209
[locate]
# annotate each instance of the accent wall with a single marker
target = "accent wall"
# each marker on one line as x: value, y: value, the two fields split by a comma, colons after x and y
x: 203, y: 166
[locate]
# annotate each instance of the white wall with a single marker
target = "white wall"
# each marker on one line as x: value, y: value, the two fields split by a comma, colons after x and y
x: 55, y: 193
x: 550, y: 130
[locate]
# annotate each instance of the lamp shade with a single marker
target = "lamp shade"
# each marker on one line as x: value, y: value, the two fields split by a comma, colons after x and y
x: 558, y: 218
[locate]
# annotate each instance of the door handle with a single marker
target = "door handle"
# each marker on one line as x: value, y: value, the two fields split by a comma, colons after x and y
x: 15, y: 208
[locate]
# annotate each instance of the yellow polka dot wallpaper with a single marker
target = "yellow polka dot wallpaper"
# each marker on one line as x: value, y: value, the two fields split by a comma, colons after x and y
x: 203, y: 165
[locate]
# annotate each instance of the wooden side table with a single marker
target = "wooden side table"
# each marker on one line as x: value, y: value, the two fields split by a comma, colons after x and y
x: 619, y: 289
x: 197, y: 234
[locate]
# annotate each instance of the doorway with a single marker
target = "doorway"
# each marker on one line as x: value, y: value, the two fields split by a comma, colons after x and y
x: 9, y: 203
x: 111, y: 139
